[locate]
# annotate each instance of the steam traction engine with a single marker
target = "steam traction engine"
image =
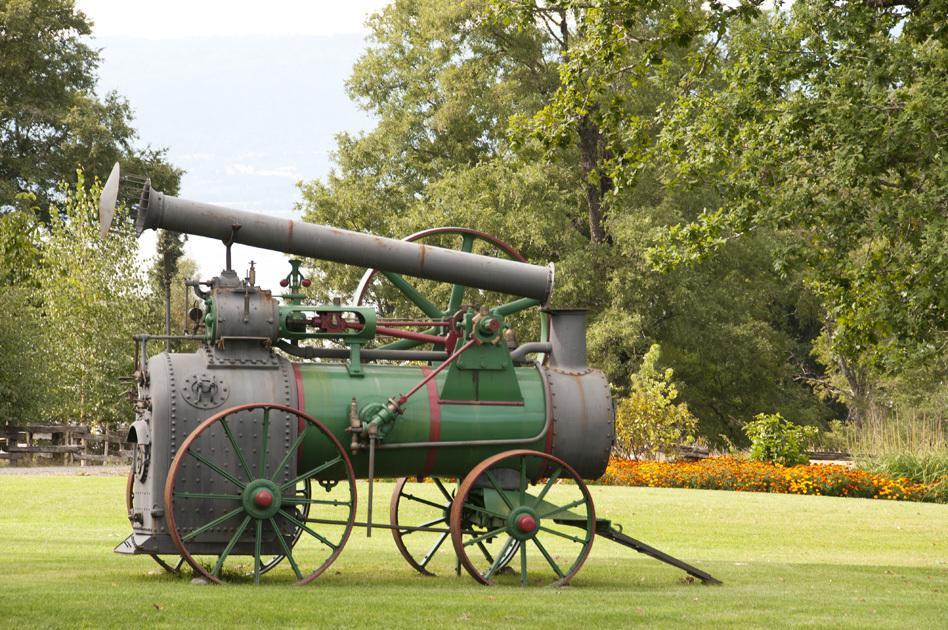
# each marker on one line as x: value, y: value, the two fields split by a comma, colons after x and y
x: 244, y: 458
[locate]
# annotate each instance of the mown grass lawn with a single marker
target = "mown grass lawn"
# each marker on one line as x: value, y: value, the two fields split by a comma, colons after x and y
x: 785, y: 561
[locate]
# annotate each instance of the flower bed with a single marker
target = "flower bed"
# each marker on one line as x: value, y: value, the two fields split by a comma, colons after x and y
x: 729, y: 473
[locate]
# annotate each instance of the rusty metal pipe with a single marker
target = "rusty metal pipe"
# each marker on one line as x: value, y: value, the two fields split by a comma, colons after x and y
x: 158, y: 210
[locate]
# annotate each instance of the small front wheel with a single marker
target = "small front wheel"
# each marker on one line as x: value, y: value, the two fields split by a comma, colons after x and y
x: 504, y: 502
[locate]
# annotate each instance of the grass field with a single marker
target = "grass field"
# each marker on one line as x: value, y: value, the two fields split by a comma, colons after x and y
x: 785, y: 561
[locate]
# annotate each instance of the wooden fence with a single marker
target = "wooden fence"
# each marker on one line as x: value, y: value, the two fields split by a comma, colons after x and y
x: 30, y: 445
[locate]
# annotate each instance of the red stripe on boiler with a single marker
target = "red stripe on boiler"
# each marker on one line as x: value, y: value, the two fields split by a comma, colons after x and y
x: 434, y: 418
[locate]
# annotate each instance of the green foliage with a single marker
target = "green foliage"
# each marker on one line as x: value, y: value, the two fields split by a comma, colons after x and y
x: 460, y: 95
x: 94, y: 299
x: 837, y: 438
x: 774, y: 439
x: 648, y: 421
x: 51, y: 120
x: 70, y: 304
x: 825, y: 121
x: 930, y: 469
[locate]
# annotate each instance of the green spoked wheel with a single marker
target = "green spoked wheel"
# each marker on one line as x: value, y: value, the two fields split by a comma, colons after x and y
x: 419, y: 514
x: 549, y: 524
x: 227, y: 499
x: 437, y: 312
x: 173, y: 564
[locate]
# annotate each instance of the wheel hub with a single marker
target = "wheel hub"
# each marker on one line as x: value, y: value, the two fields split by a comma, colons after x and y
x: 526, y: 524
x: 262, y: 499
x: 523, y: 523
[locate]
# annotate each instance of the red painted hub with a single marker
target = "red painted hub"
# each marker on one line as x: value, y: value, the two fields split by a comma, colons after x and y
x: 526, y: 523
x: 263, y: 499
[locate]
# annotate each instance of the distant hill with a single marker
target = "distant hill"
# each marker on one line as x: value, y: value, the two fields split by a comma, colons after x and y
x: 246, y: 117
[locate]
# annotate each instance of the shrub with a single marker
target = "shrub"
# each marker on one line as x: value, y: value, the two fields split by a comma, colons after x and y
x: 774, y: 439
x: 929, y: 470
x: 649, y: 421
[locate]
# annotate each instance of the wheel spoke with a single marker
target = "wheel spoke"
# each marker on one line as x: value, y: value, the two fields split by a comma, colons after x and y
x: 293, y: 448
x: 489, y: 534
x: 306, y: 529
x: 503, y: 495
x: 523, y: 480
x: 220, y: 471
x: 217, y: 521
x: 499, y: 560
x: 405, y: 532
x: 523, y: 565
x: 412, y: 294
x: 563, y: 508
x: 549, y: 484
x: 303, y: 501
x: 424, y: 501
x: 315, y: 471
x: 434, y: 548
x: 443, y: 490
x: 486, y: 553
x: 257, y: 561
x: 483, y: 510
x: 286, y: 548
x: 575, y: 539
x: 261, y: 467
x: 549, y: 558
x: 206, y: 495
x: 230, y: 546
x: 237, y: 449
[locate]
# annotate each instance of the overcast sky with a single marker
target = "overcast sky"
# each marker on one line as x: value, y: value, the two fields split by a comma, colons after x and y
x: 169, y: 19
x: 246, y: 96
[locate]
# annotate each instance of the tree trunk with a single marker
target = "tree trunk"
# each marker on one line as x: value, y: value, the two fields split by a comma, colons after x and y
x: 597, y: 184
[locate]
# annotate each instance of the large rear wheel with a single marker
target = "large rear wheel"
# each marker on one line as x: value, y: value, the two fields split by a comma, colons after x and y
x: 247, y: 506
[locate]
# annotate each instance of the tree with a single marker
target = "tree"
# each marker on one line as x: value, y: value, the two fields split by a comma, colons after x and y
x: 93, y: 300
x: 828, y: 126
x: 648, y: 421
x: 51, y: 121
x: 462, y: 96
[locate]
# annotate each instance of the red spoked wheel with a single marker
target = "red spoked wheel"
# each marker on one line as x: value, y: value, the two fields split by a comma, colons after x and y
x: 437, y: 318
x: 225, y: 499
x: 553, y: 528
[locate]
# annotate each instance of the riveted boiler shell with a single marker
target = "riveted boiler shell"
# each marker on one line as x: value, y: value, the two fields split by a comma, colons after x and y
x: 185, y: 390
x: 583, y: 418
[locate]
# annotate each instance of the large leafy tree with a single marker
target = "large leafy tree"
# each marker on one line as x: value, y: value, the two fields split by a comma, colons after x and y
x: 828, y: 125
x: 51, y: 120
x: 464, y: 99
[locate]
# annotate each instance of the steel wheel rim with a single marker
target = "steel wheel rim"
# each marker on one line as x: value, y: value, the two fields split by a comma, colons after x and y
x: 342, y: 459
x: 501, y: 527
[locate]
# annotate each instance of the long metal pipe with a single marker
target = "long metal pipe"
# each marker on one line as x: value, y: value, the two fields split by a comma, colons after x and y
x: 158, y: 210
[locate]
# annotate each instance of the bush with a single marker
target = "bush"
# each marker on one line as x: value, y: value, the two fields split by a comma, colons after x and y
x: 774, y: 439
x: 929, y: 470
x: 648, y: 421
